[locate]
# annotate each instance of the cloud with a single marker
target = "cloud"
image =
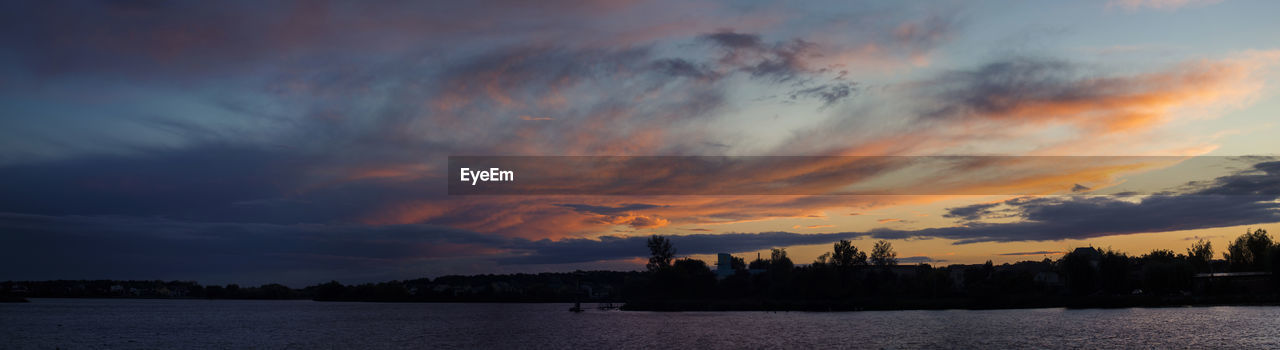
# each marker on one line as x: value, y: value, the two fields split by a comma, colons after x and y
x: 780, y: 62
x: 1040, y: 106
x: 971, y: 212
x: 919, y: 260
x: 1037, y: 91
x: 1244, y: 198
x: 424, y: 76
x: 201, y: 38
x: 610, y: 210
x: 1165, y: 5
x: 829, y: 94
x: 735, y: 41
x: 682, y: 68
x: 1051, y: 219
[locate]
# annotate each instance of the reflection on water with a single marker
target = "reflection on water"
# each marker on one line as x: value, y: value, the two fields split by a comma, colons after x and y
x: 110, y: 323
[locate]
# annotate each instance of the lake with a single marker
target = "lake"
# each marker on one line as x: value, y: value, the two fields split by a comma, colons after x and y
x: 140, y: 323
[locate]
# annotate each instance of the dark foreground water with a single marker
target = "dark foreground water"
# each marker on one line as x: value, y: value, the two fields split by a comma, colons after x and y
x: 122, y: 323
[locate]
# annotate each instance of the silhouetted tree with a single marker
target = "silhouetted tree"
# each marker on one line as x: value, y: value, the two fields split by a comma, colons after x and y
x: 883, y: 255
x: 780, y: 273
x: 845, y: 255
x: 688, y: 278
x: 1161, y: 255
x: 1164, y: 272
x: 660, y: 253
x: 274, y: 291
x: 778, y: 260
x: 1200, y: 254
x: 822, y: 260
x: 977, y: 279
x: 1249, y: 251
x: 331, y: 291
x: 215, y: 292
x: 1113, y: 271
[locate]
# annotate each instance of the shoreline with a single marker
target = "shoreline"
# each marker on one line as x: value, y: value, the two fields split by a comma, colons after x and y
x: 1094, y: 302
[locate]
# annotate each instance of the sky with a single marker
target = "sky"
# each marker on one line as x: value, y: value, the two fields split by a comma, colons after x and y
x: 302, y: 142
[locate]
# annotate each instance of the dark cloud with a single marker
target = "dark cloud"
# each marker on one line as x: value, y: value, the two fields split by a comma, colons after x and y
x: 1245, y: 198
x: 778, y: 62
x: 829, y: 94
x: 678, y: 67
x: 735, y: 41
x: 971, y: 212
x: 919, y: 260
x: 998, y: 87
x: 1050, y: 219
x: 1029, y: 90
x: 1262, y: 180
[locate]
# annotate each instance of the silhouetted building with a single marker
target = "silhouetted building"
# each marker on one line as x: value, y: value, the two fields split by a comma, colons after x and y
x: 1091, y: 253
x: 724, y: 265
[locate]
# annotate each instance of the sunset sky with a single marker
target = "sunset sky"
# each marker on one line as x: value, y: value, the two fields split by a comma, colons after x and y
x: 300, y: 142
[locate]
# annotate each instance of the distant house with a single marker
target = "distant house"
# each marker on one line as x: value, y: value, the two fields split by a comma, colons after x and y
x: 1091, y: 253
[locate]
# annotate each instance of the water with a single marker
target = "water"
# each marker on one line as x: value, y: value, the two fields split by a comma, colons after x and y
x: 124, y: 323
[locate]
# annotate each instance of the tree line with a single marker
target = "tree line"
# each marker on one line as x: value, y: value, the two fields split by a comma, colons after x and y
x: 849, y: 277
